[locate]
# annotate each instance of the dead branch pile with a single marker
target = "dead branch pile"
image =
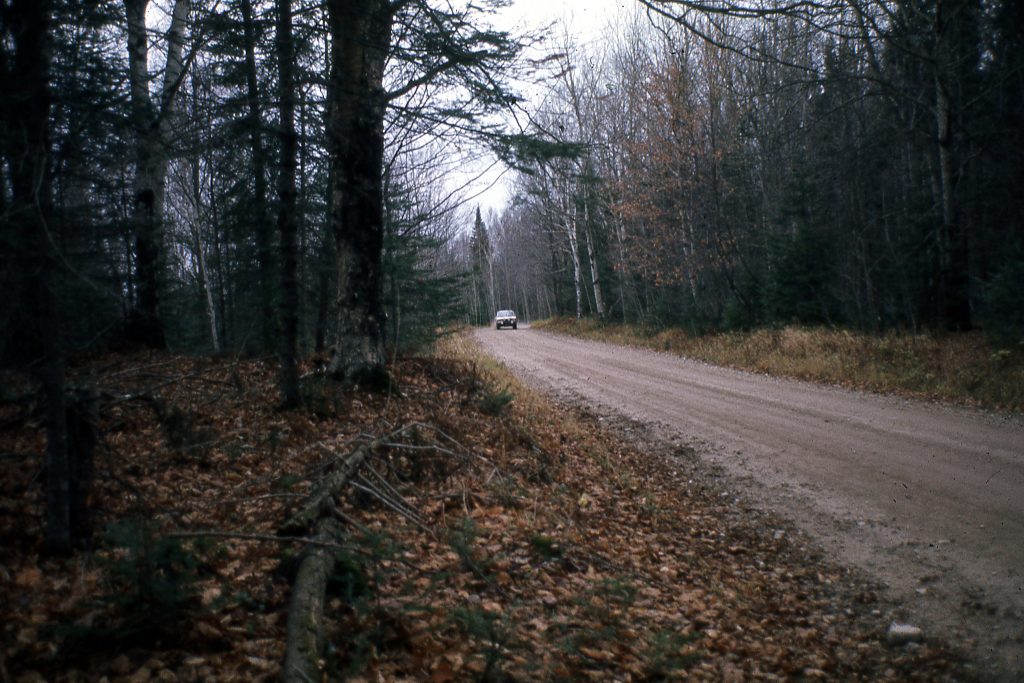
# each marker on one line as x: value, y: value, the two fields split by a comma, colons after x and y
x: 321, y: 519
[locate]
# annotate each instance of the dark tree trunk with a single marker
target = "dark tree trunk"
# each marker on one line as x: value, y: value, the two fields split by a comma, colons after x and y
x: 262, y: 228
x: 82, y: 416
x: 5, y: 113
x: 954, y: 278
x: 360, y: 33
x: 556, y: 274
x: 59, y: 536
x: 324, y: 263
x: 30, y: 212
x: 286, y: 219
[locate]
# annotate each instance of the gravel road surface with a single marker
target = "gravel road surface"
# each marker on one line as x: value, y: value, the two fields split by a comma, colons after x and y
x: 927, y: 499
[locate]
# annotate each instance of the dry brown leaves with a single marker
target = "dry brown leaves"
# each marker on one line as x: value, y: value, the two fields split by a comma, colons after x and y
x: 547, y: 549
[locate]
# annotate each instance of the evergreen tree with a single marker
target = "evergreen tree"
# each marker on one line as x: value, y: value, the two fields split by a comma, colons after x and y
x: 37, y: 343
x: 286, y: 218
x: 437, y: 46
x: 483, y: 273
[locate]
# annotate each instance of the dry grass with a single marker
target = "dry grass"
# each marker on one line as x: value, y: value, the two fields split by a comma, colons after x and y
x: 529, y: 408
x: 963, y: 368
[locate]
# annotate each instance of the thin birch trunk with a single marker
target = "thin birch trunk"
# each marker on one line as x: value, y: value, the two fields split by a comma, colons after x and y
x: 577, y: 278
x: 595, y: 277
x: 204, y: 279
x: 152, y: 129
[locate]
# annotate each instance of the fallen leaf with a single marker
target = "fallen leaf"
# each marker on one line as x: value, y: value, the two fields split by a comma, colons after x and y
x: 30, y: 577
x: 442, y: 673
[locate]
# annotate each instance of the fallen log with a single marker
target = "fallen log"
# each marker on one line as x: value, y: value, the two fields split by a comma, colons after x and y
x: 319, y: 503
x: 305, y: 638
x: 317, y: 519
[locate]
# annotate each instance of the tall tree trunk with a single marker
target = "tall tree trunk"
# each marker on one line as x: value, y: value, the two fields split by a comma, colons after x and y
x: 196, y: 162
x: 490, y: 285
x: 29, y: 214
x: 286, y: 219
x: 324, y: 262
x: 152, y: 125
x: 556, y: 289
x: 954, y: 303
x: 622, y: 268
x: 360, y: 35
x: 261, y: 220
x: 569, y: 225
x: 204, y: 279
x: 595, y: 276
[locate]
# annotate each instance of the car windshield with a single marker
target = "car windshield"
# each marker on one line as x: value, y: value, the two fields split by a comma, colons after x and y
x: 505, y: 314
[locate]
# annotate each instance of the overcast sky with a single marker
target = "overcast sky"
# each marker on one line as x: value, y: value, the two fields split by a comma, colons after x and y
x: 587, y: 21
x: 586, y: 18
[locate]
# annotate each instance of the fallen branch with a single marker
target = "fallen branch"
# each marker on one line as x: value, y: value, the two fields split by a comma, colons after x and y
x: 305, y: 639
x: 410, y: 516
x: 305, y: 611
x: 319, y: 503
x: 268, y: 538
x: 390, y: 491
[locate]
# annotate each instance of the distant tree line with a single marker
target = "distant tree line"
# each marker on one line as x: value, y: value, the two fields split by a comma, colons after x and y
x: 736, y: 164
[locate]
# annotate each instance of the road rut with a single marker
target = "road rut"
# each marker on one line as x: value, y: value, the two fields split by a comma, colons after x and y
x: 928, y: 499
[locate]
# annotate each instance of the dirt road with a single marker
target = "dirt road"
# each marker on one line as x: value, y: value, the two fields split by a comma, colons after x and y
x: 927, y: 499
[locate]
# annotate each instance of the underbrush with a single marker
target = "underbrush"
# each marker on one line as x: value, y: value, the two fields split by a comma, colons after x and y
x: 492, y: 535
x: 962, y: 368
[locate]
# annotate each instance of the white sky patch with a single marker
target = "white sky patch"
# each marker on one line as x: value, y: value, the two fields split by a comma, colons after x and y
x: 585, y: 19
x: 587, y: 23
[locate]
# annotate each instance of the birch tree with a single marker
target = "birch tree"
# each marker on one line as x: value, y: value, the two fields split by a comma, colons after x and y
x: 151, y: 120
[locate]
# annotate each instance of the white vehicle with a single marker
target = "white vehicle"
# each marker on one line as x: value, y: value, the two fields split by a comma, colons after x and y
x: 506, y: 319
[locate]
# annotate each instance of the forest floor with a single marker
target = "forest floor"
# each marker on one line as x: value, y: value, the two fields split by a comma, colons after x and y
x: 966, y: 369
x: 496, y: 536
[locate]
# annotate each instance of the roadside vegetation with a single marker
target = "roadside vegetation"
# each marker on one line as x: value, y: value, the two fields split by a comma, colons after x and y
x: 960, y: 368
x: 488, y: 535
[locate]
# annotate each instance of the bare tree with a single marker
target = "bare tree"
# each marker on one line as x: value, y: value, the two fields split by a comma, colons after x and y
x: 259, y: 210
x: 152, y: 121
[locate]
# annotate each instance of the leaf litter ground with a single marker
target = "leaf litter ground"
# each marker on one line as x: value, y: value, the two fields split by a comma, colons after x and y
x: 503, y: 538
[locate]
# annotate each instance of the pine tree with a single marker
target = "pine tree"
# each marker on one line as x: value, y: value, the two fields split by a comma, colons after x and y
x: 483, y: 271
x: 438, y: 44
x: 27, y: 26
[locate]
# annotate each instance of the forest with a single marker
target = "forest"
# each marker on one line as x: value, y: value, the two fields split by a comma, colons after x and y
x: 276, y: 178
x: 274, y: 192
x: 740, y: 165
